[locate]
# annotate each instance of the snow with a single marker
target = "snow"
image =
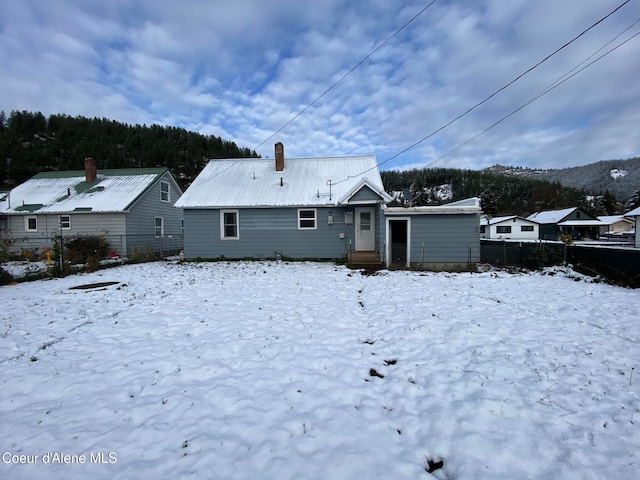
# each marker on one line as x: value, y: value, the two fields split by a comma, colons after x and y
x: 114, y: 191
x: 274, y: 370
x: 550, y: 216
x: 251, y: 182
x: 618, y: 173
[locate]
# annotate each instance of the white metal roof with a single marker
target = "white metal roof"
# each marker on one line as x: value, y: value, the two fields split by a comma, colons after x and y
x: 65, y: 192
x: 254, y: 182
x: 466, y: 206
x: 582, y: 223
x: 633, y: 213
x: 611, y: 219
x: 551, y: 216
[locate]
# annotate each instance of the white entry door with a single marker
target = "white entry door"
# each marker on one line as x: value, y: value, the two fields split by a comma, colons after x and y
x: 365, y: 228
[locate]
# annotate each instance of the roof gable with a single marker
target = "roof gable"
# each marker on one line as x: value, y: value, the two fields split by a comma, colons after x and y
x: 365, y: 192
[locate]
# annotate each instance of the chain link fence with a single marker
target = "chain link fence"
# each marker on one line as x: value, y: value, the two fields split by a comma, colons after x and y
x: 123, y: 247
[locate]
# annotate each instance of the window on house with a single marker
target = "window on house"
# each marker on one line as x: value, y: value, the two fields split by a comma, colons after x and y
x: 182, y: 227
x: 503, y: 229
x: 65, y: 222
x: 483, y: 228
x: 307, y: 219
x: 31, y: 224
x: 577, y: 214
x: 159, y: 226
x: 229, y: 225
x: 526, y: 228
x: 164, y: 192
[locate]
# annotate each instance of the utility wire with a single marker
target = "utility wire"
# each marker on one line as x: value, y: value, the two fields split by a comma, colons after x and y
x: 490, y: 96
x: 576, y: 70
x: 335, y: 84
x: 345, y: 75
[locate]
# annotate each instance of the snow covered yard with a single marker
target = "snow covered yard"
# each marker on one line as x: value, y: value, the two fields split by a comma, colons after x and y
x: 270, y: 370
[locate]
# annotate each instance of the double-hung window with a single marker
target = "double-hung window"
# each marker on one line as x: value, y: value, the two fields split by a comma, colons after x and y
x: 159, y: 227
x: 65, y: 222
x: 229, y: 225
x: 306, y: 218
x: 165, y: 194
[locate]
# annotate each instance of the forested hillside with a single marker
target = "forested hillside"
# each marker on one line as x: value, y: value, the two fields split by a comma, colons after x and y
x: 500, y: 194
x: 31, y: 143
x: 621, y: 178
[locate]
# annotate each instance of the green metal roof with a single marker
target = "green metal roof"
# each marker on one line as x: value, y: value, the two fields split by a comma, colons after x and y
x: 29, y: 207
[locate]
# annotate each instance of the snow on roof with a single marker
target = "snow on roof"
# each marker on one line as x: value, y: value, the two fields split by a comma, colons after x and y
x: 633, y: 213
x: 4, y: 197
x: 63, y: 192
x: 611, y: 219
x: 551, y: 216
x: 467, y: 202
x: 496, y: 220
x: 466, y: 206
x: 582, y: 223
x: 254, y: 182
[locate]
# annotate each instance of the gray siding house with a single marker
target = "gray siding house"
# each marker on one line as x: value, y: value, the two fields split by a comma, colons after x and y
x: 131, y: 207
x: 316, y: 208
x: 321, y: 208
x: 445, y: 237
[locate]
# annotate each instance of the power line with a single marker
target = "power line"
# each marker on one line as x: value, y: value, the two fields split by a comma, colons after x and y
x: 492, y: 95
x: 336, y: 83
x: 553, y: 86
x: 345, y: 75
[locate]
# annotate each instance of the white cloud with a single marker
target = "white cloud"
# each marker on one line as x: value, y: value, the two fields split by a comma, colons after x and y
x: 242, y: 69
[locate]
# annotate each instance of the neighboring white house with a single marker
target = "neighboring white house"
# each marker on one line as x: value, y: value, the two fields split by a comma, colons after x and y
x: 511, y: 227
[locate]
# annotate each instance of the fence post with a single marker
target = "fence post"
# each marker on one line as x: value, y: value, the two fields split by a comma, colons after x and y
x: 504, y: 252
x: 61, y: 253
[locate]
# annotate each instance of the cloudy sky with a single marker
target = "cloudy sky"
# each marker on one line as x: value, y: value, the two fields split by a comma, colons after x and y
x: 242, y: 69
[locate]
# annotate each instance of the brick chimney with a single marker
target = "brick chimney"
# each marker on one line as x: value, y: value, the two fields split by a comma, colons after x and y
x: 90, y: 170
x: 279, y: 157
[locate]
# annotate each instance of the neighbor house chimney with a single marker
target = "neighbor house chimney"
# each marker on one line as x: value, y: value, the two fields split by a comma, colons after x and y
x: 90, y: 170
x: 279, y: 157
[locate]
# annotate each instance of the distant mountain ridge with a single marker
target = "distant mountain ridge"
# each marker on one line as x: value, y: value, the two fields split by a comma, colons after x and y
x: 620, y: 177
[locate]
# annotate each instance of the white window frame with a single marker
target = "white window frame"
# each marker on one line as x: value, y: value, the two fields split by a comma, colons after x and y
x: 61, y: 222
x: 314, y: 219
x: 155, y: 226
x: 163, y: 193
x: 26, y: 223
x: 223, y: 235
